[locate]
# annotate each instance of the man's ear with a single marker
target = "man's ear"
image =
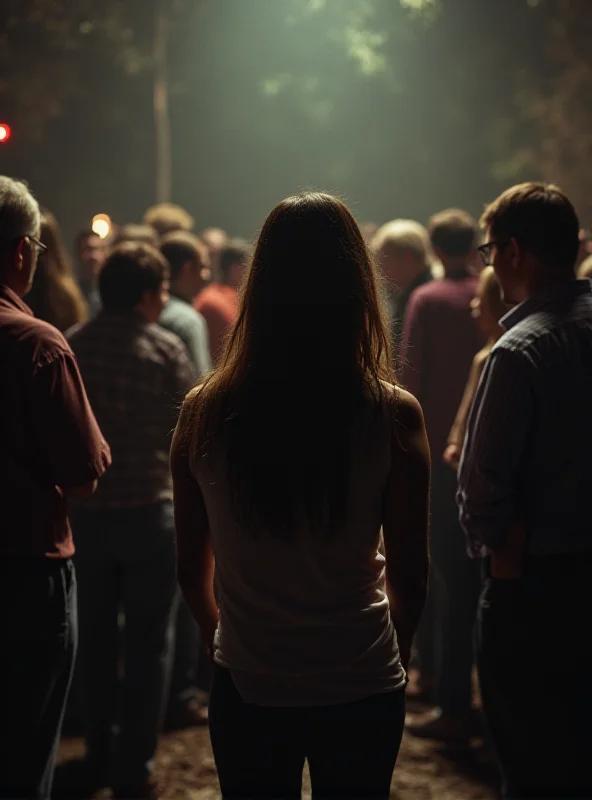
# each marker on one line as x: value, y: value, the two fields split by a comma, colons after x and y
x: 18, y: 256
x: 517, y: 253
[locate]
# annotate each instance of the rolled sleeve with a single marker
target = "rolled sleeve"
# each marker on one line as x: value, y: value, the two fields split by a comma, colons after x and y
x: 66, y: 426
x: 493, y: 451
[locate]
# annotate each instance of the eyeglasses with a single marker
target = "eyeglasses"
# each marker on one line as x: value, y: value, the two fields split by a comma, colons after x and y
x: 486, y: 252
x: 41, y: 248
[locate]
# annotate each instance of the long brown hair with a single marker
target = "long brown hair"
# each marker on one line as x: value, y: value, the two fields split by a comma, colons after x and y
x: 309, y: 348
x: 55, y: 296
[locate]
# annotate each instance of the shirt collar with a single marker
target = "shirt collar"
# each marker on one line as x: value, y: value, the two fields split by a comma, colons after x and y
x: 540, y: 299
x: 12, y: 299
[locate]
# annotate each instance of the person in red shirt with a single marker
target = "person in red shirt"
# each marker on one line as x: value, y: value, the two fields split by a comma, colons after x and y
x: 218, y: 302
x: 51, y: 449
x: 440, y: 340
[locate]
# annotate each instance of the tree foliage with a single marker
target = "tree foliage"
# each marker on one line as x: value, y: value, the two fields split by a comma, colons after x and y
x: 51, y: 51
x: 487, y: 87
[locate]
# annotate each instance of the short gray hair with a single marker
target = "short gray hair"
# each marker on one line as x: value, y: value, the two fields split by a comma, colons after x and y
x: 19, y: 211
x: 404, y: 234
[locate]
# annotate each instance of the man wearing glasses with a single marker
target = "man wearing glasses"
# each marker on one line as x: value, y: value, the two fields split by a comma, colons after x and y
x: 524, y: 498
x: 50, y: 449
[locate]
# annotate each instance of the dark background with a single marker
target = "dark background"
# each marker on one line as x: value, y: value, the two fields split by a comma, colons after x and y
x: 402, y: 112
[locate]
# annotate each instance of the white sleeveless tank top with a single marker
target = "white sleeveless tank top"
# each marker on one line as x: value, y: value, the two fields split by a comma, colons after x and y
x: 306, y: 621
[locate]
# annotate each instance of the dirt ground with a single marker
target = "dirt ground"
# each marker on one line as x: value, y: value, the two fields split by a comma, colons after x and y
x: 185, y: 769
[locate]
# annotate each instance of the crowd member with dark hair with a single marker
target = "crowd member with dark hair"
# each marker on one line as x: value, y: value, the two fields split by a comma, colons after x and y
x: 440, y: 342
x: 52, y: 449
x: 524, y: 485
x: 487, y: 308
x: 218, y: 302
x: 90, y: 254
x: 404, y: 254
x: 167, y: 217
x: 135, y: 373
x: 134, y: 232
x: 287, y: 463
x: 187, y: 257
x: 55, y: 296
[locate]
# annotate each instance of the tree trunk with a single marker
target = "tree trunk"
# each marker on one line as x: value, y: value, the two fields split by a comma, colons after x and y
x: 162, y: 122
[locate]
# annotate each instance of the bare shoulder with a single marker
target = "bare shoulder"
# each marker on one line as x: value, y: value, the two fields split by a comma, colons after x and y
x: 405, y: 410
x: 410, y: 448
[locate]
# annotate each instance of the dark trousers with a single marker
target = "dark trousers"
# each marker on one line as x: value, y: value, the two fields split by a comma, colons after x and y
x: 260, y: 751
x: 535, y: 671
x: 39, y: 636
x: 126, y: 563
x: 445, y: 639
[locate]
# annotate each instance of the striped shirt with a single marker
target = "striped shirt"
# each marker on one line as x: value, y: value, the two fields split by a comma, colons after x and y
x: 136, y: 375
x: 528, y: 449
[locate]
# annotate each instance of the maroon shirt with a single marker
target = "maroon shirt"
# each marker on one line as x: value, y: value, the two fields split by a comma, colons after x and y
x: 49, y: 437
x: 440, y: 339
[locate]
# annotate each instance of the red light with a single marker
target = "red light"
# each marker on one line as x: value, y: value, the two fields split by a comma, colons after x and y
x: 4, y: 132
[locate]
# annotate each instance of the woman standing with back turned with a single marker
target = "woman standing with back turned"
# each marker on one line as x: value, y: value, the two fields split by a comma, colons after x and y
x: 287, y: 463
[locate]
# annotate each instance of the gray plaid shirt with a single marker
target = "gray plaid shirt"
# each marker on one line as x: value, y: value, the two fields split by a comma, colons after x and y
x: 528, y: 448
x: 136, y: 375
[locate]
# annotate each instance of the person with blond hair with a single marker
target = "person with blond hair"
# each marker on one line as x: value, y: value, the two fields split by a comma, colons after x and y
x: 402, y: 248
x: 168, y: 217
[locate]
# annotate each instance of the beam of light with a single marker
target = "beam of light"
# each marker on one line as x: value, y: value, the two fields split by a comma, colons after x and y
x: 101, y: 225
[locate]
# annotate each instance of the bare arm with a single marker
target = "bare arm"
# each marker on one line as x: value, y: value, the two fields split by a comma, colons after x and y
x: 195, y: 558
x: 405, y: 520
x: 456, y: 436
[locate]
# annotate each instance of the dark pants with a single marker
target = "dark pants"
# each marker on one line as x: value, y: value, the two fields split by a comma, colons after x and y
x: 39, y: 635
x: 535, y: 671
x: 126, y: 562
x: 260, y: 751
x: 445, y: 640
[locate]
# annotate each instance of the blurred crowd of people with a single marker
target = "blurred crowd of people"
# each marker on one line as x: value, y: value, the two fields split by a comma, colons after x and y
x: 147, y: 313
